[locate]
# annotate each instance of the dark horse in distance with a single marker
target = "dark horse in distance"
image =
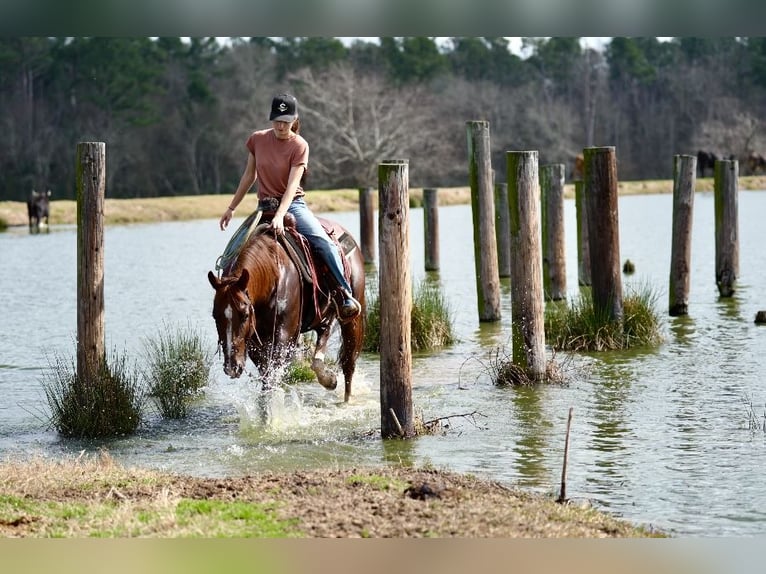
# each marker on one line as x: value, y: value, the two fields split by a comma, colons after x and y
x: 266, y: 298
x: 38, y: 206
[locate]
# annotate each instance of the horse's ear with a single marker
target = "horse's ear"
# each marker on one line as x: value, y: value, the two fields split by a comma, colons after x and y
x: 243, y: 280
x: 214, y: 281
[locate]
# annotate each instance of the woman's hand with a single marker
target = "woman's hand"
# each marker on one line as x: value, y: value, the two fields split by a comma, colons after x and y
x: 226, y: 218
x: 278, y: 223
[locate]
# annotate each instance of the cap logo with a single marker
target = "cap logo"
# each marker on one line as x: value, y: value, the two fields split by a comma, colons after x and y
x: 282, y: 107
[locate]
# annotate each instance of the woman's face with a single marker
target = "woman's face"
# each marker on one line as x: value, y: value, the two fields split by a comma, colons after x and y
x: 282, y: 129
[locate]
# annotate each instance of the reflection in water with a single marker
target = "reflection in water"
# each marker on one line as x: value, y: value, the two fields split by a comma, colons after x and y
x: 729, y: 307
x: 399, y: 452
x: 533, y: 429
x: 684, y: 330
x: 611, y: 390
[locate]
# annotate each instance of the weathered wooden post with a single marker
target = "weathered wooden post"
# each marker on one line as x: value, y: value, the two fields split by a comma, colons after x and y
x: 554, y: 243
x: 395, y: 285
x: 583, y: 250
x: 431, y: 228
x: 90, y: 185
x: 482, y: 204
x: 502, y: 230
x: 603, y: 231
x: 366, y: 224
x: 726, y: 226
x: 527, y: 320
x: 684, y: 180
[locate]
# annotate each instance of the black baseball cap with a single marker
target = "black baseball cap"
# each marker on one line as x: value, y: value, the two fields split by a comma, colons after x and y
x: 284, y: 108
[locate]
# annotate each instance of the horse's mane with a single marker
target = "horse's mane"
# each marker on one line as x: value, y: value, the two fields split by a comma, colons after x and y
x: 259, y: 257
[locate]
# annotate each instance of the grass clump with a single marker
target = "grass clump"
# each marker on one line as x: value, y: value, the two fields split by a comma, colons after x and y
x: 104, y: 403
x: 299, y: 371
x: 502, y: 371
x: 177, y: 369
x: 431, y: 320
x: 581, y: 327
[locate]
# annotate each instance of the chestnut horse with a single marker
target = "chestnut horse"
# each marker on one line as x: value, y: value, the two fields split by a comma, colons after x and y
x: 263, y: 303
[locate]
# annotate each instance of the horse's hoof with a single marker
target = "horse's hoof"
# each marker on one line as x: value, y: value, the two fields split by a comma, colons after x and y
x: 330, y: 383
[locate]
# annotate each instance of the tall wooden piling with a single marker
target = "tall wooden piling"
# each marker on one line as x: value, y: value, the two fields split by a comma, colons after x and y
x: 90, y: 185
x: 684, y: 181
x: 554, y: 242
x: 502, y: 230
x: 395, y: 285
x: 601, y: 201
x: 726, y: 226
x: 583, y: 249
x: 431, y: 228
x: 483, y: 209
x: 367, y: 223
x: 527, y: 320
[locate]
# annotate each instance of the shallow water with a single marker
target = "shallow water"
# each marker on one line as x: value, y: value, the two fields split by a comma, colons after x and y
x: 660, y: 436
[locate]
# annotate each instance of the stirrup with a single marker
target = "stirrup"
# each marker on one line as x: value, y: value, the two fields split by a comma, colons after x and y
x: 348, y: 308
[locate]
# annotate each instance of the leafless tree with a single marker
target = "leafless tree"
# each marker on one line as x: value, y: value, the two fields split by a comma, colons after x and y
x: 354, y: 121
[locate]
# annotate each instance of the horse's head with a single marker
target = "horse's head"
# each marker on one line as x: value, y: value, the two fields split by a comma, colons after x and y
x: 234, y: 319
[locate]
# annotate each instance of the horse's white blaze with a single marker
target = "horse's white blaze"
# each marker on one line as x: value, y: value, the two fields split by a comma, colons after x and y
x: 281, y: 299
x: 228, y: 313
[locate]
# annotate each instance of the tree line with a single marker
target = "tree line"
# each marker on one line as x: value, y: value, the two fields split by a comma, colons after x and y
x: 175, y: 113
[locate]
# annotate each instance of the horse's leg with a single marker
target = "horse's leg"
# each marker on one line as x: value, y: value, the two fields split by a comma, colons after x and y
x: 352, y: 338
x: 325, y: 375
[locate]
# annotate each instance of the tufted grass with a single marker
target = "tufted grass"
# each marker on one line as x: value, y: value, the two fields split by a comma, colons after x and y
x: 431, y: 320
x: 105, y: 403
x: 581, y: 327
x: 177, y: 368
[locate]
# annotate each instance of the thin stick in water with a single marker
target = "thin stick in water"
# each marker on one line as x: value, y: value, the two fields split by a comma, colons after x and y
x: 397, y: 423
x: 563, y: 495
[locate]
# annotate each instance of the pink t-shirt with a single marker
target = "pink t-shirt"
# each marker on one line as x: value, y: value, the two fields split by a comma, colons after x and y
x: 274, y: 158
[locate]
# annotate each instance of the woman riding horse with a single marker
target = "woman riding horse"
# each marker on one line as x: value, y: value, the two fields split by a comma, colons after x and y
x: 250, y: 320
x: 278, y: 160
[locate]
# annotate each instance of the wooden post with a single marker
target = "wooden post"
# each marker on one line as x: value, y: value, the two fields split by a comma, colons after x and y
x: 482, y: 204
x: 583, y: 250
x: 395, y: 285
x: 503, y: 230
x: 366, y: 224
x: 527, y: 321
x: 684, y: 179
x: 726, y: 226
x: 554, y: 244
x: 431, y: 228
x: 90, y: 185
x: 603, y: 231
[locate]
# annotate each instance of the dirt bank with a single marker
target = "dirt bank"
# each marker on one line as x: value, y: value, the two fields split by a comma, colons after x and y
x: 97, y: 497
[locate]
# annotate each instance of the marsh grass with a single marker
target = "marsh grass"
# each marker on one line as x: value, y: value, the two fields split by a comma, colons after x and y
x: 104, y: 403
x: 299, y: 371
x: 579, y: 326
x: 177, y: 368
x: 754, y: 421
x: 431, y: 320
x: 502, y: 371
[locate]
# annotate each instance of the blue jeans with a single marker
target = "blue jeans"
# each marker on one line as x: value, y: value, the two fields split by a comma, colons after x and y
x: 308, y: 225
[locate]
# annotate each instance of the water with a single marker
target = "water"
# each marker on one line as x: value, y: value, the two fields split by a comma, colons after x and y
x: 660, y: 436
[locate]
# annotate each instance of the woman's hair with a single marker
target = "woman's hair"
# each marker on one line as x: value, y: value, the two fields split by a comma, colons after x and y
x: 296, y: 127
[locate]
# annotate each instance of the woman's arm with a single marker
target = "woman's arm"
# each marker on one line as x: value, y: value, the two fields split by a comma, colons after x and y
x: 247, y: 180
x: 293, y: 181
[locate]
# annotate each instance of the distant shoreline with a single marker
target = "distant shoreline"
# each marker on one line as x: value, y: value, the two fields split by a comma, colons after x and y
x: 190, y: 207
